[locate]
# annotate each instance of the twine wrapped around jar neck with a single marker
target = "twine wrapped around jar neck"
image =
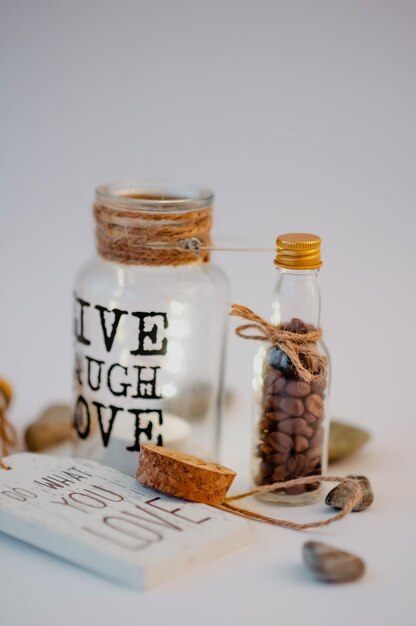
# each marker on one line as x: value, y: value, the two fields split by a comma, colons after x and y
x: 145, y: 237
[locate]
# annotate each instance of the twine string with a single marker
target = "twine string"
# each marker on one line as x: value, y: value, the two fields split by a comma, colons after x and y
x: 150, y: 238
x: 300, y: 348
x: 351, y: 484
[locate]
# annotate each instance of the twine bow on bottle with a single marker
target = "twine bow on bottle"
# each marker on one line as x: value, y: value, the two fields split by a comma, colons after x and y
x: 299, y: 347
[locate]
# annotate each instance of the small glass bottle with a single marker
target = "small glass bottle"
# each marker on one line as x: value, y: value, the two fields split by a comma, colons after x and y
x: 150, y: 313
x: 291, y: 424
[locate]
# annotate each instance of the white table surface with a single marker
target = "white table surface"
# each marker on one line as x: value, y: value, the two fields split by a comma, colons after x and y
x: 265, y: 581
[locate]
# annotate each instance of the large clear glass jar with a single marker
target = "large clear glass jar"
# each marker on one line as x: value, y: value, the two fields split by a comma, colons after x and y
x: 291, y: 426
x: 150, y: 314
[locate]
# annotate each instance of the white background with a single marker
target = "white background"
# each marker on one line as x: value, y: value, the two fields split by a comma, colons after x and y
x: 301, y: 116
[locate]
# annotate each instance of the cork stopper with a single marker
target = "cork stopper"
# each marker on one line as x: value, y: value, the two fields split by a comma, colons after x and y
x: 183, y: 475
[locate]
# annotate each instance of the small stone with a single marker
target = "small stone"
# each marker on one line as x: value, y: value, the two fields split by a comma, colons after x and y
x: 277, y: 358
x: 339, y: 496
x: 53, y: 427
x: 330, y: 564
x: 345, y: 440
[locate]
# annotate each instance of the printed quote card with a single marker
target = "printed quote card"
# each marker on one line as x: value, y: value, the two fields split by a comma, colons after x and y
x: 107, y: 522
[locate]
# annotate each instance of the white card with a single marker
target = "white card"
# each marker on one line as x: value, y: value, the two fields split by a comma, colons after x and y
x: 107, y: 522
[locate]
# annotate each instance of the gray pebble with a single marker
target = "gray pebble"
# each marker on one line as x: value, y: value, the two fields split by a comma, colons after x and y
x: 339, y: 496
x: 329, y: 564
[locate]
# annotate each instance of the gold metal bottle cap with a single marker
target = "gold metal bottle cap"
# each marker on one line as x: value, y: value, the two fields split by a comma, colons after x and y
x: 299, y: 251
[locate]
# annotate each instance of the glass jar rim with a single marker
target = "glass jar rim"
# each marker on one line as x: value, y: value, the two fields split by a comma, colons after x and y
x: 156, y: 195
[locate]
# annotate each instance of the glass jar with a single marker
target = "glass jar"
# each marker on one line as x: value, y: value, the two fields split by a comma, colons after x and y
x: 291, y: 426
x: 150, y: 313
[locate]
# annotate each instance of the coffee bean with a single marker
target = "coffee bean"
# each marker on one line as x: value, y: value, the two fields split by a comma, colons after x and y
x: 274, y: 382
x: 301, y: 443
x: 280, y: 442
x: 297, y: 464
x: 339, y: 496
x: 318, y: 386
x: 293, y: 406
x: 279, y: 458
x: 286, y: 426
x: 300, y: 427
x: 278, y: 386
x: 313, y: 453
x: 265, y: 469
x: 271, y: 402
x: 317, y: 439
x: 330, y: 564
x: 296, y: 326
x: 311, y: 419
x: 279, y: 473
x: 298, y: 389
x: 314, y: 404
x: 271, y: 376
x: 314, y: 465
x: 277, y: 416
x: 264, y: 449
x: 264, y: 424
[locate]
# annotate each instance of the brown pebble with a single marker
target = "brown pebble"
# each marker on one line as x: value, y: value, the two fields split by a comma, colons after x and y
x: 293, y: 406
x: 281, y: 442
x: 298, y: 389
x: 53, y: 427
x: 339, y: 496
x: 329, y: 564
x: 314, y: 404
x: 301, y: 443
